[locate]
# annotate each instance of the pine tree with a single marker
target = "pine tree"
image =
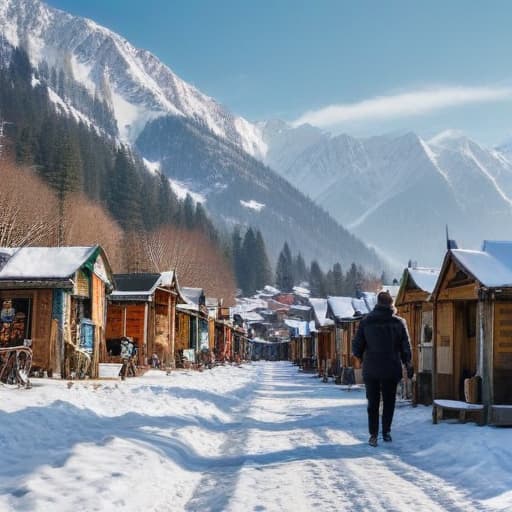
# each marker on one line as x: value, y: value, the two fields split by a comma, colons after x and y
x: 262, y: 263
x: 284, y: 270
x: 317, y: 281
x: 299, y: 269
x: 249, y: 250
x: 337, y: 280
x: 189, y: 212
x: 236, y: 249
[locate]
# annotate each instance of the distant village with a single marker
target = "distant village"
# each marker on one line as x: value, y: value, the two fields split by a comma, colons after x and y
x: 65, y: 314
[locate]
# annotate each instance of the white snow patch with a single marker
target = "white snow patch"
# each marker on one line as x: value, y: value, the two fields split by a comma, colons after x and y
x: 181, y: 191
x: 152, y: 167
x: 131, y: 118
x: 69, y: 110
x: 252, y: 205
x: 81, y: 74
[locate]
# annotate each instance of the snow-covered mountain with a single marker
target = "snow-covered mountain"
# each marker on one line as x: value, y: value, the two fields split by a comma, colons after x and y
x: 136, y: 85
x: 127, y: 94
x: 399, y: 192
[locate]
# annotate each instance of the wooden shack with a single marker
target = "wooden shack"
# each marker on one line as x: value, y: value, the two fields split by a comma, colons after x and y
x: 143, y: 308
x: 304, y: 348
x: 55, y: 296
x: 412, y: 303
x: 324, y: 339
x: 192, y: 333
x: 472, y: 303
x: 346, y: 313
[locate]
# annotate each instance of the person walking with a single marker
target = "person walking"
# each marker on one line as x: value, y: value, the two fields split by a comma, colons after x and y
x: 382, y: 344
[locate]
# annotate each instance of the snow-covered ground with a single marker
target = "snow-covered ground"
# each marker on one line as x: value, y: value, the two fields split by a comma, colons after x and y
x: 253, y: 438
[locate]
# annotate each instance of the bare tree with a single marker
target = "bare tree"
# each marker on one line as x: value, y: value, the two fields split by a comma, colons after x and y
x: 87, y: 222
x: 28, y: 208
x: 197, y: 261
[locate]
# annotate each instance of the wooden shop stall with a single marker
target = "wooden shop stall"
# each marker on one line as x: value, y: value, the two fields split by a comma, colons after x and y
x: 324, y: 335
x: 301, y: 337
x: 56, y: 297
x: 346, y: 313
x: 143, y: 308
x: 192, y: 335
x: 412, y: 303
x: 472, y: 303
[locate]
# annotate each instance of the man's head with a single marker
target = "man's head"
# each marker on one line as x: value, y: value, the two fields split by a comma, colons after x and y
x: 384, y: 299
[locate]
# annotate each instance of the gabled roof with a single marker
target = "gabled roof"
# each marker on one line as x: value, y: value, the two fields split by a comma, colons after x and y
x: 348, y: 308
x: 193, y: 295
x: 44, y: 263
x: 301, y: 327
x: 424, y: 278
x: 491, y: 267
x: 485, y: 268
x: 140, y: 282
x: 320, y: 311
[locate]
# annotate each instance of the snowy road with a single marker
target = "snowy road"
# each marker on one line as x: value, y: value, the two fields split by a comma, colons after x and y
x: 257, y: 438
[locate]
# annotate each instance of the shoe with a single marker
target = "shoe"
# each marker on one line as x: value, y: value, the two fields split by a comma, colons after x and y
x: 387, y: 437
x: 372, y: 441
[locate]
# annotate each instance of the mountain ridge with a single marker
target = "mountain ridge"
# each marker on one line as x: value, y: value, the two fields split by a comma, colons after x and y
x: 132, y: 97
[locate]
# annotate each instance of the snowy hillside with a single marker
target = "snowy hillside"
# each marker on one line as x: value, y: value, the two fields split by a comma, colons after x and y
x: 399, y: 192
x: 135, y: 84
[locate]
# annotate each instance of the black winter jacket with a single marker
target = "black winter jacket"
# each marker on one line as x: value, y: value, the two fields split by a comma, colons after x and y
x: 382, y: 342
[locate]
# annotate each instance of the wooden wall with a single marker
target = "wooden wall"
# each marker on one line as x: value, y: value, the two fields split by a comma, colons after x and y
x: 502, y: 353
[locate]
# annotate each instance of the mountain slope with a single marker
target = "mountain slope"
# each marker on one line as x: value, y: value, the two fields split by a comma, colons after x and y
x: 127, y: 94
x: 399, y: 192
x: 137, y: 86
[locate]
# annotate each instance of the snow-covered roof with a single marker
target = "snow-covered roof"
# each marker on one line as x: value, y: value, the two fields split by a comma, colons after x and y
x: 301, y: 327
x: 500, y: 249
x: 301, y: 291
x: 485, y: 267
x: 25, y: 263
x: 392, y: 289
x: 193, y: 295
x: 341, y: 307
x: 300, y: 307
x: 167, y: 278
x: 349, y: 307
x: 251, y: 316
x: 320, y: 309
x: 424, y: 278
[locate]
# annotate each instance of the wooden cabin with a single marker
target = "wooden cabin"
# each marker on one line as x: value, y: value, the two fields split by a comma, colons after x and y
x: 324, y: 339
x: 143, y: 308
x: 304, y: 349
x: 346, y: 313
x: 412, y: 303
x: 472, y: 304
x: 192, y: 335
x: 56, y: 297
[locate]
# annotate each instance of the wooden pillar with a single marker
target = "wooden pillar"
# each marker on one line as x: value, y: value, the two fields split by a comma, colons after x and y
x: 487, y: 337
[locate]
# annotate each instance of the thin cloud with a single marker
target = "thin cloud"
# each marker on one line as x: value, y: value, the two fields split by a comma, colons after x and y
x: 406, y: 104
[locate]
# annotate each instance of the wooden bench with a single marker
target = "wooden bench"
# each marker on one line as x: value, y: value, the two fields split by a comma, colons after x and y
x: 466, y: 412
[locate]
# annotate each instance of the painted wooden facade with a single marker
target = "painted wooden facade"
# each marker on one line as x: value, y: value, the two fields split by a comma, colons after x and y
x: 412, y: 303
x: 472, y: 304
x: 55, y: 296
x: 143, y: 308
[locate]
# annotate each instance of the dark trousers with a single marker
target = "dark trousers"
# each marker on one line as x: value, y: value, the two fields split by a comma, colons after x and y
x: 374, y: 389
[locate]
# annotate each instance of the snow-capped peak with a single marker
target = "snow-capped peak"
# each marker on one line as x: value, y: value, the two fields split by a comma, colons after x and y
x: 137, y: 85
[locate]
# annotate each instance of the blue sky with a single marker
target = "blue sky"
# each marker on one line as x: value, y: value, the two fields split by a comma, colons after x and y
x: 379, y: 66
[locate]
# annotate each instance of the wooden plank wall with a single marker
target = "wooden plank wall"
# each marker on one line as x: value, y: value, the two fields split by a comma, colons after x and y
x: 444, y: 350
x: 502, y: 358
